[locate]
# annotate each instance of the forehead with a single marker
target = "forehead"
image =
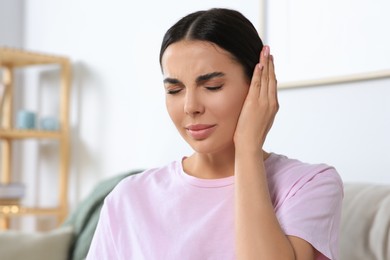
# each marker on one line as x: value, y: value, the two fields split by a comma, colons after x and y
x: 196, y: 57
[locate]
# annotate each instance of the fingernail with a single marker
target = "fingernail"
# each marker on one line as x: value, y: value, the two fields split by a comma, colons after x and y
x: 266, y: 51
x: 260, y: 66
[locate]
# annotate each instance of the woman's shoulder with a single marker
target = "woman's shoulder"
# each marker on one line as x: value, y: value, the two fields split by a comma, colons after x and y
x: 279, y: 165
x: 307, y: 199
x: 288, y: 174
x: 148, y: 177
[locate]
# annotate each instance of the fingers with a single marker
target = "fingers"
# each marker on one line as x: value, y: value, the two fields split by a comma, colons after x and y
x: 264, y: 60
x: 263, y: 83
x: 272, y: 85
x: 254, y: 89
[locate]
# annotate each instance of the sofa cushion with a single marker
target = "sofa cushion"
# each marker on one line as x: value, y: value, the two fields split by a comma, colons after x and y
x: 365, y: 226
x: 18, y: 245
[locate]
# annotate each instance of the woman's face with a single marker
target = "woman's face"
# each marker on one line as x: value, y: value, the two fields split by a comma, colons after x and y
x: 205, y: 90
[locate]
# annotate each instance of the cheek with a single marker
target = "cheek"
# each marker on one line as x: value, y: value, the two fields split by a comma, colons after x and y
x: 173, y: 109
x: 230, y: 105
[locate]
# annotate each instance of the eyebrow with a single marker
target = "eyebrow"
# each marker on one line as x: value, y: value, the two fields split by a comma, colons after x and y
x: 206, y: 77
x: 200, y: 79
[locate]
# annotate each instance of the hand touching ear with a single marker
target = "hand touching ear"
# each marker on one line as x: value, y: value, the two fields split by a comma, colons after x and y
x: 260, y: 106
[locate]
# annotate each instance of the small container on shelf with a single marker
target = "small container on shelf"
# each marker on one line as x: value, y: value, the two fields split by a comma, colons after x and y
x: 26, y: 119
x: 11, y: 193
x: 49, y: 124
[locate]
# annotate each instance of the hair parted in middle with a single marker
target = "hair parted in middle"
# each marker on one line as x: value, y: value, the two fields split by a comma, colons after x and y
x: 228, y: 29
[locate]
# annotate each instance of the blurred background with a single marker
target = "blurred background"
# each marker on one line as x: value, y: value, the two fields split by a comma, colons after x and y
x: 118, y: 117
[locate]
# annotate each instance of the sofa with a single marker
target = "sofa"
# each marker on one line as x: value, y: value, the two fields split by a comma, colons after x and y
x: 365, y: 227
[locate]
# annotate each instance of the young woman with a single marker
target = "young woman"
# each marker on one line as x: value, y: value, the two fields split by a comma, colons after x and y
x: 230, y: 199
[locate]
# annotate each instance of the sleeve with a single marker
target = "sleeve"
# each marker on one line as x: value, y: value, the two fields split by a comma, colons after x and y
x: 103, y: 246
x: 313, y: 212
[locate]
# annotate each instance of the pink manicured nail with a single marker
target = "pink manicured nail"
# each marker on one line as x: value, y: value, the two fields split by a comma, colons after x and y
x: 266, y: 51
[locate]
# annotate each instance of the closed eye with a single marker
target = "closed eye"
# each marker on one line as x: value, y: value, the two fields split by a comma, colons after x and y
x: 173, y: 91
x: 214, y: 88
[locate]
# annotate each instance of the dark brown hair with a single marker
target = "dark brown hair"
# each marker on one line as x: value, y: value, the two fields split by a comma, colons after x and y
x: 227, y: 28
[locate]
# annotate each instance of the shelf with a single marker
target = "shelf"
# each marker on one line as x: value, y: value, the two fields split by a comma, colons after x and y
x: 22, y: 134
x: 6, y: 210
x: 18, y: 58
x: 11, y: 60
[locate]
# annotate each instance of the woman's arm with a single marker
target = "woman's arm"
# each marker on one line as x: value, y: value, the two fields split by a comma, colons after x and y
x: 258, y: 233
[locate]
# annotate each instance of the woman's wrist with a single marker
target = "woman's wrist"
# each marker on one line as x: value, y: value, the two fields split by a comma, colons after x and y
x: 249, y: 153
x: 249, y: 150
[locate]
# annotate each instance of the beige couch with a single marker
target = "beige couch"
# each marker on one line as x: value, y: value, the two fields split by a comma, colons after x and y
x: 365, y: 227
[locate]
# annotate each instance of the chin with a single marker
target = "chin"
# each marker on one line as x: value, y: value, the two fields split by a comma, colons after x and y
x: 207, y: 147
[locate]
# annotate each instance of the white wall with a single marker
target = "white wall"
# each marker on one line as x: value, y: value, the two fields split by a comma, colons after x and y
x: 326, y: 38
x: 346, y: 125
x: 118, y: 113
x: 11, y: 23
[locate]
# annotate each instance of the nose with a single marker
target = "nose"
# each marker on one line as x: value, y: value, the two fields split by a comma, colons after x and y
x: 193, y: 103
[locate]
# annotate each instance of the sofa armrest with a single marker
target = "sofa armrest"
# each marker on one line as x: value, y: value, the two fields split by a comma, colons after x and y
x: 365, y: 225
x: 19, y: 245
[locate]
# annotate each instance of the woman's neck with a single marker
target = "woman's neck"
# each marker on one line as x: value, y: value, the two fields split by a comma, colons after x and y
x: 212, y: 166
x: 208, y: 166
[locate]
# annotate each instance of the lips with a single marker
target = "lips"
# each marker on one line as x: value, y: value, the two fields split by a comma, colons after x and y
x: 200, y: 131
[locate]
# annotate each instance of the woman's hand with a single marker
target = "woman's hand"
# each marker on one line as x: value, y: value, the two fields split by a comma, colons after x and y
x: 260, y: 106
